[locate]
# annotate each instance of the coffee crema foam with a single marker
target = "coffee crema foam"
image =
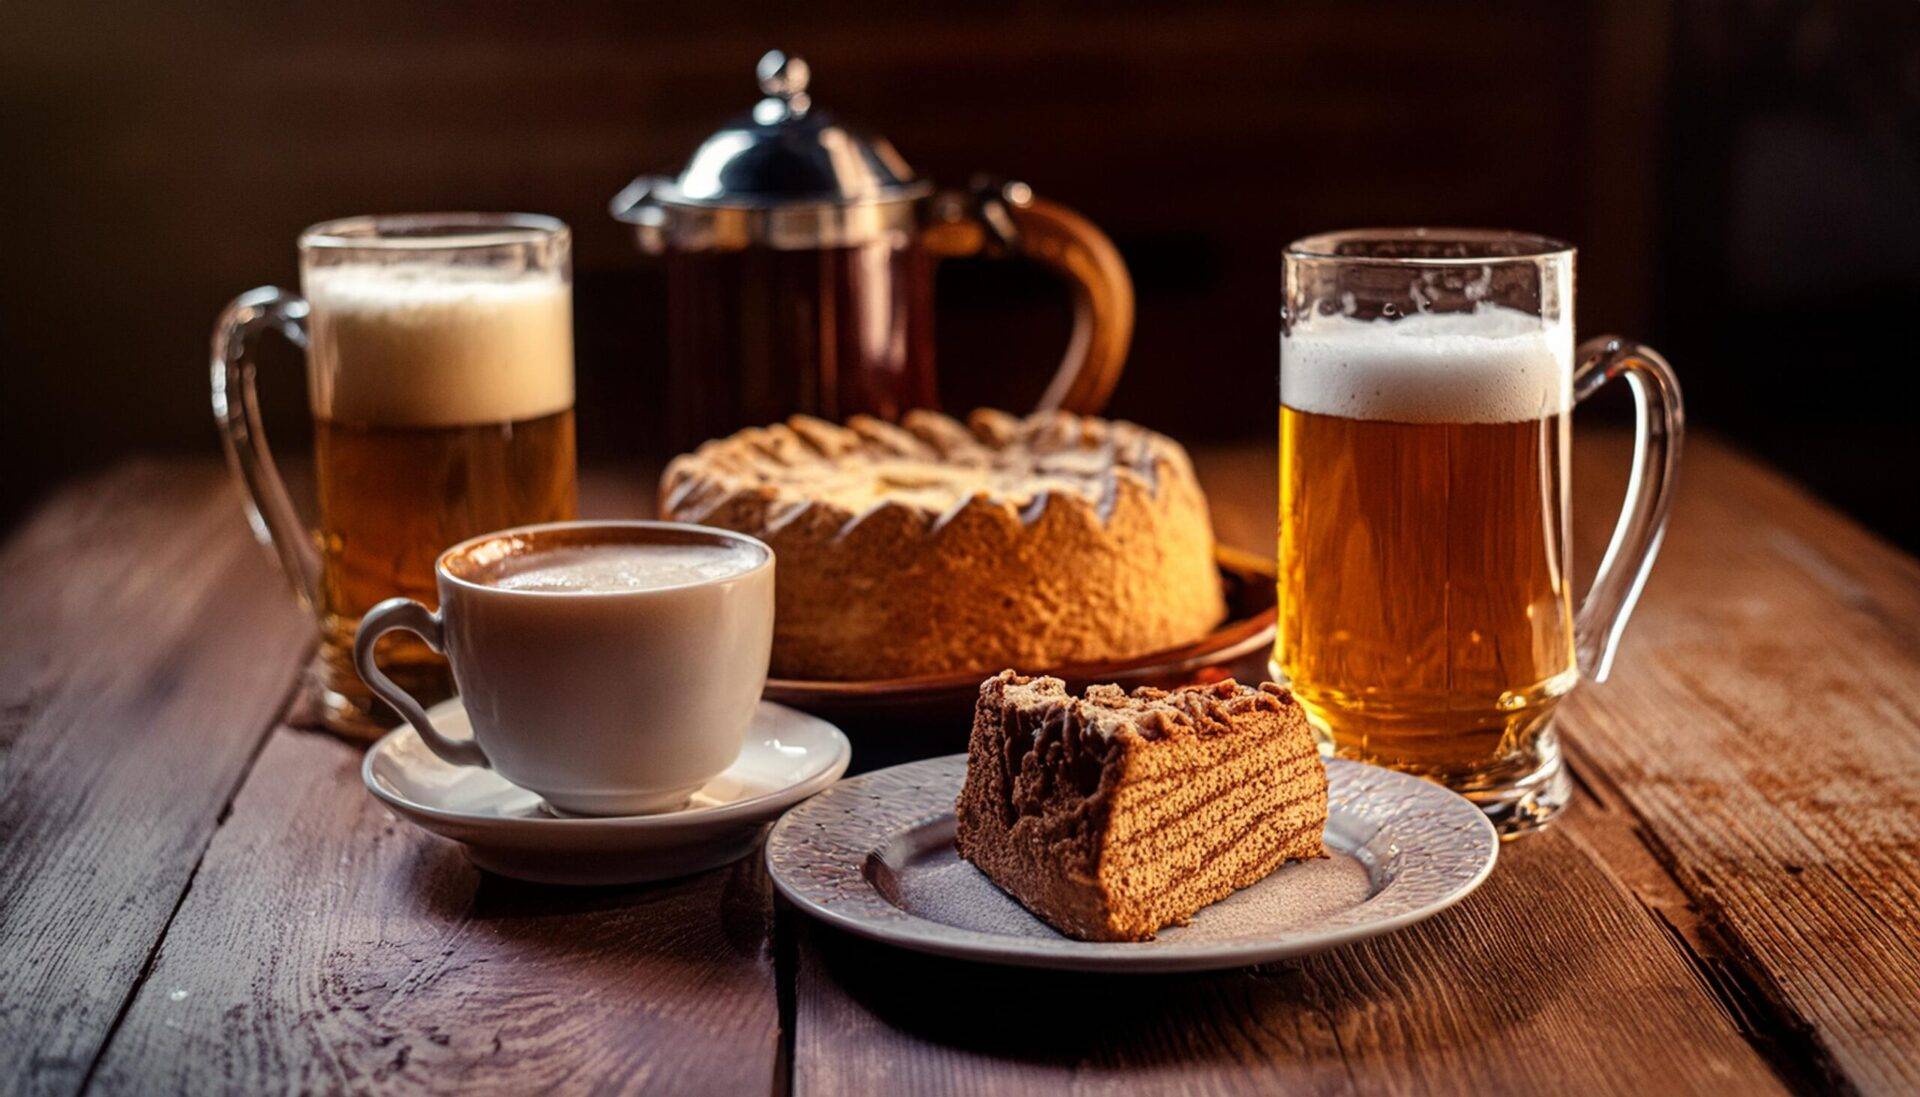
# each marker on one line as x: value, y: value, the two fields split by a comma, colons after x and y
x: 437, y: 346
x: 1493, y: 365
x: 621, y: 568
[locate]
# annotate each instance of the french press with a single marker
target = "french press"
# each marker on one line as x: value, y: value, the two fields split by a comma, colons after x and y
x: 800, y: 257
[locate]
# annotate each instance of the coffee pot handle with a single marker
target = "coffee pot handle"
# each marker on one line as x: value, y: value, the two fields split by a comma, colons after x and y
x: 236, y: 411
x: 1659, y: 425
x: 1005, y: 218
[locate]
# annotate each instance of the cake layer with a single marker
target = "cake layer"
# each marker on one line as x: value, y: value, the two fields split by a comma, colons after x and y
x: 1165, y: 826
x: 1115, y: 814
x: 1160, y: 864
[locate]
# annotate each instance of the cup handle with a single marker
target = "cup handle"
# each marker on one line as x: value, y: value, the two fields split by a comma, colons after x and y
x: 405, y: 613
x: 236, y: 410
x: 1659, y: 425
x: 997, y: 218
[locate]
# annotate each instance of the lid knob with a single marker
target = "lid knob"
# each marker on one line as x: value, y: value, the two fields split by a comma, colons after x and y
x: 785, y: 77
x: 802, y: 176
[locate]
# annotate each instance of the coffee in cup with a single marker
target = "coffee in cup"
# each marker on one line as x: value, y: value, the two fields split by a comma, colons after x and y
x: 611, y: 667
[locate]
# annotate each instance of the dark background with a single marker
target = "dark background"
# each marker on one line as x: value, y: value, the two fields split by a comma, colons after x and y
x: 1743, y: 178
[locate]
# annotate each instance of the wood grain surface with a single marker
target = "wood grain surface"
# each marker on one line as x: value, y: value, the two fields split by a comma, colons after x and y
x: 1729, y: 907
x: 328, y: 946
x: 1550, y: 977
x: 1763, y: 725
x: 148, y: 645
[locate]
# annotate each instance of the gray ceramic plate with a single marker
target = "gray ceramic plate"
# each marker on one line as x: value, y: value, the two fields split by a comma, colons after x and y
x: 874, y: 856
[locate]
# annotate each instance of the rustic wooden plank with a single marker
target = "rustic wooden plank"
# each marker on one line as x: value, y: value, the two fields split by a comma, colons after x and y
x: 328, y: 946
x: 1549, y: 978
x: 148, y: 645
x: 1763, y: 726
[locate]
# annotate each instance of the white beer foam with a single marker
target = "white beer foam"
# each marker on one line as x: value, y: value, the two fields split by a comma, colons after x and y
x: 438, y: 346
x: 1493, y: 365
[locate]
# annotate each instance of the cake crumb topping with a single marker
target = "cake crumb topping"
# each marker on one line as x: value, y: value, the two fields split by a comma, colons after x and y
x: 1151, y: 713
x: 929, y: 462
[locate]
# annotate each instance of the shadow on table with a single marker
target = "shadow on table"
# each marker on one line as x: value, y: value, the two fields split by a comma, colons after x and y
x: 868, y: 992
x: 1506, y: 969
x: 693, y: 918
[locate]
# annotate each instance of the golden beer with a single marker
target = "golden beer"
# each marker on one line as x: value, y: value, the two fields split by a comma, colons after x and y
x: 392, y: 498
x: 1425, y: 616
x: 1426, y: 620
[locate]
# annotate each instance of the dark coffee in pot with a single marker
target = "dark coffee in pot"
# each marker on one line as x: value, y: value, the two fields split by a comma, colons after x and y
x: 757, y: 334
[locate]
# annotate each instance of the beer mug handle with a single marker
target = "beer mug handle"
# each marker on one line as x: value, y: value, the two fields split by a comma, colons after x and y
x: 405, y: 613
x: 1659, y: 422
x: 236, y: 410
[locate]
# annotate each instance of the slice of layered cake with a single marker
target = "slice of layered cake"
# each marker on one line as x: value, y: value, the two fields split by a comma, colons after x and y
x: 1113, y: 815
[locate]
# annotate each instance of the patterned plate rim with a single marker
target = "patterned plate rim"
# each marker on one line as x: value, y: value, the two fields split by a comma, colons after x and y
x: 1425, y: 848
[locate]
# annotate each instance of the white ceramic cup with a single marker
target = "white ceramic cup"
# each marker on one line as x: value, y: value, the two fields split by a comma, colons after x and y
x: 602, y: 702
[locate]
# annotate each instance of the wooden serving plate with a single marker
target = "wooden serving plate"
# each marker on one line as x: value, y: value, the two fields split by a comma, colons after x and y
x: 892, y: 720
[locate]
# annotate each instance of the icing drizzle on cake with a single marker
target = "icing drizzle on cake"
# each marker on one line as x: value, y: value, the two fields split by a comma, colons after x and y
x: 930, y: 464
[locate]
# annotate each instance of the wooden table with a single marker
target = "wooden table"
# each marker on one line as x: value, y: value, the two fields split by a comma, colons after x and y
x: 195, y: 896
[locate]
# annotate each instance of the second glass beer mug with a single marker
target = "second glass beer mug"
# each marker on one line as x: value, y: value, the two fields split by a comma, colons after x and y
x: 1427, y: 618
x: 440, y: 377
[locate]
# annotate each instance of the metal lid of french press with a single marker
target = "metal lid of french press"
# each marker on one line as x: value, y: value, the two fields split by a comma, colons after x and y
x: 785, y: 175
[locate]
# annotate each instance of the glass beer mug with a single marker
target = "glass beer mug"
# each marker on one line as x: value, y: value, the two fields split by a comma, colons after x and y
x: 1427, y: 620
x: 440, y: 378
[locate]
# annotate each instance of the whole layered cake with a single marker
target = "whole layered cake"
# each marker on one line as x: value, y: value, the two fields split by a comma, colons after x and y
x: 937, y: 546
x: 1115, y: 814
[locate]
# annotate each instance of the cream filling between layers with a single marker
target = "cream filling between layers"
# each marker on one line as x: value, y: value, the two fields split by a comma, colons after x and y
x: 1163, y: 830
x: 1251, y: 837
x: 1168, y: 854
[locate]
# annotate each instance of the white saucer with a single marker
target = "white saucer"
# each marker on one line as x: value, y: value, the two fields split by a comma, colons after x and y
x: 788, y: 757
x: 874, y: 856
